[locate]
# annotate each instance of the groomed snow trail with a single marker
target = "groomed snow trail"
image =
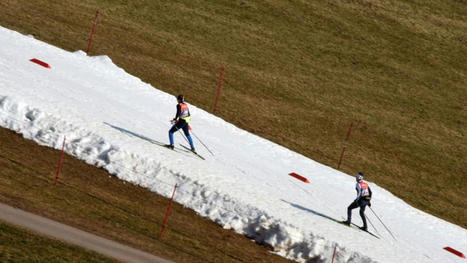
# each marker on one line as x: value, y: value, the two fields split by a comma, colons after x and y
x: 111, y: 119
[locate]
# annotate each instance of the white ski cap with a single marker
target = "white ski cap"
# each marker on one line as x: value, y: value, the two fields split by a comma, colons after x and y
x: 359, y: 176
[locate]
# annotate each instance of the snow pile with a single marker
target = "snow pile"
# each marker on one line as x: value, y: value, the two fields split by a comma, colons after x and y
x: 113, y: 120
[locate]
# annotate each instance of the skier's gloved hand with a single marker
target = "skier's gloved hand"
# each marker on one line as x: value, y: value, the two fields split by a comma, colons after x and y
x: 369, y: 204
x: 174, y: 121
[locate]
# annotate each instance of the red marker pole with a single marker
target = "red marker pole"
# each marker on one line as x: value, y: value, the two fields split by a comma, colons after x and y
x: 334, y: 254
x: 164, y: 224
x: 59, y: 168
x: 92, y: 32
x: 219, y: 87
x: 345, y: 145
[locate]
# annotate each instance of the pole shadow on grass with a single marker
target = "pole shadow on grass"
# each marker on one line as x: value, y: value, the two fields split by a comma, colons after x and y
x: 311, y: 211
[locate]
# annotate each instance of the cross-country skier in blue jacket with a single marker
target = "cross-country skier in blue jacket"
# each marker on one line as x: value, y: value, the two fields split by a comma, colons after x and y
x: 362, y: 200
x: 181, y: 120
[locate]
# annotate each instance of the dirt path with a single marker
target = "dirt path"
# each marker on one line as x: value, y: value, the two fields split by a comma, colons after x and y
x: 75, y: 236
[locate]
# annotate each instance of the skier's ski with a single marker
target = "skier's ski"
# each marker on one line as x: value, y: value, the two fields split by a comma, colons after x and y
x: 195, y: 153
x: 355, y: 226
x: 366, y: 231
x: 167, y: 146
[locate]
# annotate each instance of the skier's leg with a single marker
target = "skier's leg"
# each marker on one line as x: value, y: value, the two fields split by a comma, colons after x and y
x: 171, y: 138
x: 171, y: 134
x: 352, y: 206
x: 190, y: 140
x: 362, y: 214
x: 188, y: 136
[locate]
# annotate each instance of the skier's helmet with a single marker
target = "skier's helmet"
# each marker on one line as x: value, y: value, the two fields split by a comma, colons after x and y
x: 359, y: 176
x: 180, y: 97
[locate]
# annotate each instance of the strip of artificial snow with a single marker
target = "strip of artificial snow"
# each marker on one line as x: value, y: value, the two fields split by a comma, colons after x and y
x: 109, y: 119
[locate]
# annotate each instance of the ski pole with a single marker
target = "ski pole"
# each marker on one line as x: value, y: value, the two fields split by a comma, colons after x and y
x: 183, y: 135
x: 383, y: 223
x: 367, y: 218
x: 178, y: 129
x: 201, y: 141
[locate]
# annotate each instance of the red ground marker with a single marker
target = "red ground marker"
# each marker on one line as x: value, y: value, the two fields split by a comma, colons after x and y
x: 299, y: 177
x: 42, y: 63
x: 452, y: 250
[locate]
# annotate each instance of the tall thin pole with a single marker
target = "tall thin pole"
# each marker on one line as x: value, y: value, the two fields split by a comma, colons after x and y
x: 334, y: 254
x: 345, y: 145
x: 92, y: 32
x: 219, y: 87
x: 60, y: 161
x: 164, y: 224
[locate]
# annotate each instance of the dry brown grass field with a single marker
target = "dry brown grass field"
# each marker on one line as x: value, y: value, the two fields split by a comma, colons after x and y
x: 90, y: 199
x: 25, y: 246
x: 298, y: 73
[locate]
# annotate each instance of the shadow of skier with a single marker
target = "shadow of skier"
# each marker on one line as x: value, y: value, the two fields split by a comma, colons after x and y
x: 310, y: 211
x: 128, y: 132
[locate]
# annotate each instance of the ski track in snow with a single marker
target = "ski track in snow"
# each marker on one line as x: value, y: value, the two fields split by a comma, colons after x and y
x: 109, y: 119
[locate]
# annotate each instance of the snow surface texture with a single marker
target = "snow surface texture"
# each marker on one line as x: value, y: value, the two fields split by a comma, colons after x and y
x: 111, y: 119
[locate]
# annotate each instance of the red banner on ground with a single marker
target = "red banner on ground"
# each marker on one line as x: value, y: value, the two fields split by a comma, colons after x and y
x: 452, y: 250
x: 42, y: 63
x: 299, y: 177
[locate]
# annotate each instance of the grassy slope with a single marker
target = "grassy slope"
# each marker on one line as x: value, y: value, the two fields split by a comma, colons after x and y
x: 19, y: 245
x: 90, y: 199
x: 298, y: 72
